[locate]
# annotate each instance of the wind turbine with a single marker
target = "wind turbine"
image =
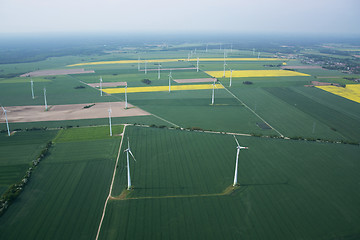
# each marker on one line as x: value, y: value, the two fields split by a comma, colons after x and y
x: 32, y: 89
x: 224, y: 62
x: 46, y: 106
x: 128, y: 165
x: 159, y: 71
x: 230, y: 77
x: 188, y: 57
x: 145, y: 67
x: 7, y: 123
x: 253, y: 51
x: 213, y: 94
x: 231, y: 48
x: 139, y: 63
x: 224, y: 68
x: 110, y: 120
x: 197, y: 65
x: 238, y: 147
x: 170, y: 77
x: 258, y: 55
x: 101, y: 86
x: 126, y: 96
x: 206, y: 50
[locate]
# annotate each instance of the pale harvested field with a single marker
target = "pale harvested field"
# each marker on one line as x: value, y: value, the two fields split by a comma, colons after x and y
x: 301, y: 67
x: 108, y: 84
x: 316, y: 83
x: 56, y: 72
x: 71, y: 112
x: 195, y: 80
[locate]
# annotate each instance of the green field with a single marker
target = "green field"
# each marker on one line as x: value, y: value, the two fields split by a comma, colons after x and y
x: 67, y: 192
x: 292, y: 189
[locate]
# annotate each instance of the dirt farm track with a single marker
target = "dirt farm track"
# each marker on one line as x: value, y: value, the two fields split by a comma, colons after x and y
x: 71, y: 112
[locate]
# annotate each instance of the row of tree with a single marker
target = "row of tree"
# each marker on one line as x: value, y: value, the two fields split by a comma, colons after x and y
x: 14, y: 190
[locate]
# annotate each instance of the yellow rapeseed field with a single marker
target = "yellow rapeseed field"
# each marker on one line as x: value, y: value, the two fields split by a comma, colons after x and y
x: 256, y: 73
x: 176, y: 60
x: 351, y: 91
x: 161, y: 88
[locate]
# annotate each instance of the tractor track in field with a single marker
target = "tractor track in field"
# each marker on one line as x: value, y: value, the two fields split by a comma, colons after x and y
x: 228, y: 191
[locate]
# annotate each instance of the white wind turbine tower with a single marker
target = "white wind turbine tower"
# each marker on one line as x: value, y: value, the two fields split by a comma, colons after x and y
x: 188, y: 57
x: 32, y: 89
x: 213, y: 94
x: 258, y: 55
x: 110, y: 120
x: 206, y: 50
x: 224, y: 63
x: 101, y: 86
x: 231, y: 48
x: 197, y: 65
x: 170, y: 77
x: 128, y: 164
x: 7, y: 123
x: 126, y: 96
x: 230, y: 77
x: 145, y: 67
x: 253, y: 51
x: 139, y: 63
x: 159, y: 71
x: 238, y: 147
x: 46, y: 106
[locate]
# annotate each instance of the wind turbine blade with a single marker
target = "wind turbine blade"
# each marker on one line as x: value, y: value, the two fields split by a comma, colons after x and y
x: 132, y: 155
x: 236, y: 141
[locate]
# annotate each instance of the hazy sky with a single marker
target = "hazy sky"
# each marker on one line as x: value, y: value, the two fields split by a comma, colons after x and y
x: 280, y: 16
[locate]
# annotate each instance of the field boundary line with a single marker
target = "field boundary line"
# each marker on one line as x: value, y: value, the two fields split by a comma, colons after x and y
x: 251, y: 110
x: 111, y: 185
